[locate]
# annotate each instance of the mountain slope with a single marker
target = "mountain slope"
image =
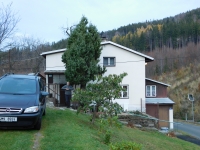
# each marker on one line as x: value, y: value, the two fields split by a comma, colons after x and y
x: 172, y: 32
x: 184, y: 81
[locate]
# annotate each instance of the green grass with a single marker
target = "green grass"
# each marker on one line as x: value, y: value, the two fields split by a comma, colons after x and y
x: 64, y: 130
x: 16, y: 139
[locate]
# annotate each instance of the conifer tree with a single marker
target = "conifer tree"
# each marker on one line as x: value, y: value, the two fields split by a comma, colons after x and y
x: 82, y: 55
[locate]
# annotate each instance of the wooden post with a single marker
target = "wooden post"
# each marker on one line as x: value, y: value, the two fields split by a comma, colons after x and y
x: 158, y: 115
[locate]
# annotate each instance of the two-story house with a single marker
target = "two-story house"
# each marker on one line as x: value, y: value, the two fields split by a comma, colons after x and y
x: 158, y: 104
x: 117, y: 59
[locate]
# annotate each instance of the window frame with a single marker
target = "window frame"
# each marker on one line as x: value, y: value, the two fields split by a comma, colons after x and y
x: 109, y: 65
x: 151, y: 92
x: 121, y: 92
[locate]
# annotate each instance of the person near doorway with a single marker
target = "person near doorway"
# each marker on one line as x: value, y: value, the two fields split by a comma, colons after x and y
x: 68, y: 93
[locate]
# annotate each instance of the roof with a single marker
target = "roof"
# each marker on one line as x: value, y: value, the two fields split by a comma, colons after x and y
x: 52, y: 52
x: 157, y: 82
x: 159, y: 101
x: 147, y: 58
x: 54, y: 71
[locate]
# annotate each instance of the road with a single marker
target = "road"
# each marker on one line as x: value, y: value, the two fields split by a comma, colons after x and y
x: 191, y: 129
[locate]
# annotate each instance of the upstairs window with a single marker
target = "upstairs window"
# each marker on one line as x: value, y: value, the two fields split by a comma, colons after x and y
x: 109, y: 61
x: 124, y: 93
x: 150, y: 91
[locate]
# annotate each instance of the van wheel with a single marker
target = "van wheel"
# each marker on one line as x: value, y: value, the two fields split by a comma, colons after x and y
x: 38, y: 124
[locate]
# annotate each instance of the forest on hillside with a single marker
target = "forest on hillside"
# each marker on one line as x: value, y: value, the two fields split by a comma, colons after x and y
x: 24, y: 59
x: 172, y: 41
x: 171, y: 32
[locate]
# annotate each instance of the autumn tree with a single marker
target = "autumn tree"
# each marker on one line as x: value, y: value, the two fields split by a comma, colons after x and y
x: 82, y: 55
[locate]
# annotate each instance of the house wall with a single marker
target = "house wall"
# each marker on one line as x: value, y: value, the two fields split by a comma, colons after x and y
x: 161, y: 90
x: 54, y: 61
x: 132, y: 64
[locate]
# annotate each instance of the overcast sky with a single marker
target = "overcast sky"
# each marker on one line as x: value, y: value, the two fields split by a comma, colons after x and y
x: 44, y: 19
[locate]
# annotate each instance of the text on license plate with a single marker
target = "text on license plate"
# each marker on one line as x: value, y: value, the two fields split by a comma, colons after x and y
x: 8, y: 119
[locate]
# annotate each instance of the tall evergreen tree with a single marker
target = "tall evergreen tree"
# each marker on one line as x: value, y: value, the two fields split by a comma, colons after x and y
x: 82, y: 55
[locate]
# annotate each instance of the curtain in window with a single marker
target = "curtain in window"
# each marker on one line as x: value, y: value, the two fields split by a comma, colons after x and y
x: 148, y: 91
x: 112, y: 61
x: 105, y: 61
x: 153, y: 90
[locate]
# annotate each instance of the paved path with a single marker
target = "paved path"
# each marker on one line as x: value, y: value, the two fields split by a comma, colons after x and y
x: 191, y: 129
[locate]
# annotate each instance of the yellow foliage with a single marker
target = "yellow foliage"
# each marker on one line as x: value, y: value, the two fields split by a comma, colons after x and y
x: 115, y: 38
x: 140, y: 30
x: 159, y: 27
x: 149, y: 27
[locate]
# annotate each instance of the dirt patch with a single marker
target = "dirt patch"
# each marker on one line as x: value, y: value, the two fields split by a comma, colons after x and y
x: 189, y: 139
x: 37, y: 138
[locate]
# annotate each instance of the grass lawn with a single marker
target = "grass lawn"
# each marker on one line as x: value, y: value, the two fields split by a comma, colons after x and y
x: 64, y: 130
x: 16, y: 139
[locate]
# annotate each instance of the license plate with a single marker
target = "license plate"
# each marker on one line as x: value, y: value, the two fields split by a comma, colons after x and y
x: 8, y: 119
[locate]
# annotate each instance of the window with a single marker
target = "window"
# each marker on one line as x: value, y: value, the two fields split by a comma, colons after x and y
x: 109, y: 61
x: 124, y: 93
x: 150, y: 91
x: 17, y: 86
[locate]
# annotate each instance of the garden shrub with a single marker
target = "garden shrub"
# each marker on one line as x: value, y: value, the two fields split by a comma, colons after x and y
x: 125, y: 146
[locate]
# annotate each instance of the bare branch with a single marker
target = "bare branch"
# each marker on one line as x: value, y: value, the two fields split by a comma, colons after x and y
x: 8, y: 23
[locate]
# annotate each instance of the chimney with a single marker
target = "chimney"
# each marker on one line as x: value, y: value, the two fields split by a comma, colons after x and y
x: 103, y: 37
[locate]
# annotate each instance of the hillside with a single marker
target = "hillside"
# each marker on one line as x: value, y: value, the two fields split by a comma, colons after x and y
x: 76, y: 132
x: 184, y: 81
x: 171, y: 32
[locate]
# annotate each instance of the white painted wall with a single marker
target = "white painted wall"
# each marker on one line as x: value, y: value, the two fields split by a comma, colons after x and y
x: 132, y: 64
x: 54, y: 61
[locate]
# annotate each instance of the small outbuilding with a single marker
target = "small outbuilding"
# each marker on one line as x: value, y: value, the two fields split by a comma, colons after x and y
x: 158, y: 104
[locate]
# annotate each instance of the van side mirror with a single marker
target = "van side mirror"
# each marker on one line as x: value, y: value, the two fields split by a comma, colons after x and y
x: 43, y: 93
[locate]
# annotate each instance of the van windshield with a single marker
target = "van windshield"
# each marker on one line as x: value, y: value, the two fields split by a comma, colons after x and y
x: 17, y: 86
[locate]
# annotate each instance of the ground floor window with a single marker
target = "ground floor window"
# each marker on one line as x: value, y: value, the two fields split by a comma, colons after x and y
x: 124, y: 93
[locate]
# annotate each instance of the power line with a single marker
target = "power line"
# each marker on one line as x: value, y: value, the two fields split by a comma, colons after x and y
x: 26, y: 59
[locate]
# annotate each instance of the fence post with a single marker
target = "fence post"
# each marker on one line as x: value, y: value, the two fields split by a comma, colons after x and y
x: 158, y: 115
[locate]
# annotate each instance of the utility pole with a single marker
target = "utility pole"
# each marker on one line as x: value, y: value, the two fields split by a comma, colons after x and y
x: 193, y: 110
x: 191, y: 98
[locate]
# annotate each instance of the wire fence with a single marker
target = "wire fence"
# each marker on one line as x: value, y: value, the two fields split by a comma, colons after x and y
x: 176, y: 124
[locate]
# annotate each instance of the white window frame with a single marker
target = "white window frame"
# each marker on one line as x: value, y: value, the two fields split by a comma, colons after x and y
x: 109, y: 65
x: 151, y: 91
x: 122, y: 92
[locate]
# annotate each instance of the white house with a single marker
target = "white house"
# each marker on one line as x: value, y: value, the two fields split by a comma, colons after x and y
x: 117, y: 59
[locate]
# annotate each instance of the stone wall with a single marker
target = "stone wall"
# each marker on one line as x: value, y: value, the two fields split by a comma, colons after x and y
x: 138, y: 121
